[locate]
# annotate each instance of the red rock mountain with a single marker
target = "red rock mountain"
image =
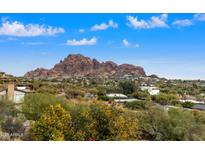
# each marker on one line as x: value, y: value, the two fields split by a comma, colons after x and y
x: 81, y: 66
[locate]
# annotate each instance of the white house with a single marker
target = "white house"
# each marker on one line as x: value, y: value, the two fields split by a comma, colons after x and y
x: 2, y: 94
x: 151, y: 89
x: 13, y: 94
x: 116, y: 95
x: 120, y: 98
x: 191, y: 100
x: 19, y: 96
x: 21, y: 88
x: 125, y: 100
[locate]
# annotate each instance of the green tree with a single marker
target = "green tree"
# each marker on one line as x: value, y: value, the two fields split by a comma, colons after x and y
x: 52, y: 125
x: 127, y: 87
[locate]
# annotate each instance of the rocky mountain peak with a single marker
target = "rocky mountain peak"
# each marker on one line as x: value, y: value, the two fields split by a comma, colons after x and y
x: 77, y: 65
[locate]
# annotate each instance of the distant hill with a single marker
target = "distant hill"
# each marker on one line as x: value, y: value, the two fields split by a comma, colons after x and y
x: 77, y: 65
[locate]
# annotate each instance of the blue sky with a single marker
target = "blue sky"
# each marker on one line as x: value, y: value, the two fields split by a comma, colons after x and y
x: 169, y: 45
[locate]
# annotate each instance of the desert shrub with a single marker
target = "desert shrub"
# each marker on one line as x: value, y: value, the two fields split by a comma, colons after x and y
x: 136, y: 104
x: 35, y: 104
x: 103, y: 98
x: 142, y: 95
x: 83, y: 124
x: 187, y: 104
x: 47, y: 89
x: 101, y: 94
x: 112, y: 123
x: 52, y: 125
x: 13, y: 126
x: 74, y: 93
x: 7, y: 108
x: 176, y: 125
x: 93, y: 121
x: 98, y: 121
x: 165, y: 99
x: 184, y: 127
x: 153, y: 124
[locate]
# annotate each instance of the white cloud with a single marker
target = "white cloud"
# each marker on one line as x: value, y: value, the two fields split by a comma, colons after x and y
x: 189, y: 22
x: 19, y: 29
x: 153, y: 22
x: 112, y: 24
x: 159, y: 21
x: 104, y: 26
x: 134, y: 22
x: 81, y: 30
x: 125, y: 42
x: 82, y: 42
x: 183, y: 22
x: 199, y: 17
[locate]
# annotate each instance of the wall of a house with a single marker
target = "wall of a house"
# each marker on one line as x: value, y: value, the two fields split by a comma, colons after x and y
x: 18, y: 96
x: 3, y: 95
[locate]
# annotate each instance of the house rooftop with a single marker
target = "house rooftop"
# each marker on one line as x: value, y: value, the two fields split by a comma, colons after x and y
x: 199, y: 107
x: 115, y: 95
x: 126, y: 100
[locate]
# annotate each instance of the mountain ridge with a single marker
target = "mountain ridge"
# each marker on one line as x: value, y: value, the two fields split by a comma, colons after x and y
x: 77, y: 65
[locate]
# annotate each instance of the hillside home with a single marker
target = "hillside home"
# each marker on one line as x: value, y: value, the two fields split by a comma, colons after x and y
x: 13, y: 94
x: 188, y: 98
x: 151, y: 89
x: 191, y: 100
x: 120, y: 98
x: 125, y: 100
x: 116, y: 95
